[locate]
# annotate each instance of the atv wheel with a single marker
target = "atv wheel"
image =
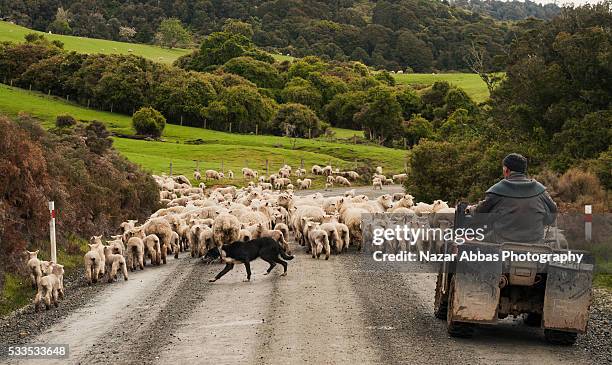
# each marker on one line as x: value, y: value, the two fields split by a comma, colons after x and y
x: 454, y: 328
x: 557, y: 337
x: 440, y: 300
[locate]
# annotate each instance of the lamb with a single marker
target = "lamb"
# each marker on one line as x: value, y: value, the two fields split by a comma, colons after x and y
x: 197, y: 175
x: 377, y: 183
x: 182, y: 179
x: 50, y: 287
x: 352, y: 175
x: 135, y: 253
x: 316, y: 170
x: 304, y: 184
x: 226, y: 229
x: 117, y: 245
x: 152, y: 249
x: 332, y: 235
x: 327, y: 170
x: 317, y: 239
x: 330, y: 179
x: 300, y: 172
x: 379, y: 170
x: 439, y: 205
x: 114, y: 262
x: 289, y: 187
x: 278, y: 236
x: 161, y: 228
x: 400, y: 177
x: 406, y: 202
x: 194, y: 238
x: 351, y: 217
x: 212, y: 174
x: 175, y: 241
x: 328, y: 186
x: 34, y: 267
x: 299, y: 217
x: 342, y: 181
x: 422, y: 208
x: 350, y: 193
x: 388, y: 182
x: 96, y: 244
x: 248, y: 173
x: 283, y: 228
x: 92, y: 263
x: 245, y: 235
x: 230, y: 174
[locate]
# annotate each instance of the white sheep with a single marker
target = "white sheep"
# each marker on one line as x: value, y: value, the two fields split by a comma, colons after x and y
x: 152, y: 248
x: 92, y: 263
x: 327, y: 170
x: 197, y: 175
x: 50, y: 287
x: 113, y: 263
x: 377, y: 183
x: 379, y: 170
x: 317, y: 240
x: 212, y: 174
x: 400, y: 177
x: 316, y: 170
x: 342, y: 181
x: 230, y: 174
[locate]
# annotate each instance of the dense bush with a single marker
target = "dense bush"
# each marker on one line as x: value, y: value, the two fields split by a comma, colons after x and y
x: 148, y: 122
x: 94, y: 188
x: 297, y: 120
x: 65, y: 120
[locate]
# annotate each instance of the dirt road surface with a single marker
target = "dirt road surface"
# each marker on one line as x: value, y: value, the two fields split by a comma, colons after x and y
x: 341, y: 311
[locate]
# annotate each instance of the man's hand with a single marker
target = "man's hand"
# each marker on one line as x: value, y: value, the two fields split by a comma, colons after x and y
x: 470, y: 209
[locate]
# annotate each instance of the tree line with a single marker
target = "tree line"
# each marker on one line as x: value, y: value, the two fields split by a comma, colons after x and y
x: 394, y: 34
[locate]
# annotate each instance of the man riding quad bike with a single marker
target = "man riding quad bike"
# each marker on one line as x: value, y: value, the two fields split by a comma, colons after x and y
x: 552, y: 294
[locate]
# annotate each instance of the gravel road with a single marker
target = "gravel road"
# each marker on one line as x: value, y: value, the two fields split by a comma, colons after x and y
x: 341, y: 311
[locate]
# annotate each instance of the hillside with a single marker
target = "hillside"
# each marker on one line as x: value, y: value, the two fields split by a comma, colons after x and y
x: 15, y: 33
x: 234, y: 150
x: 422, y: 35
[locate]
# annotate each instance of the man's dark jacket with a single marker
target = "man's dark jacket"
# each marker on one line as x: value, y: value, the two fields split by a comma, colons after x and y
x: 520, y: 209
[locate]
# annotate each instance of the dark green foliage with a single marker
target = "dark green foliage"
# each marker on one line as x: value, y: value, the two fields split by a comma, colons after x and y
x: 65, y: 120
x: 263, y: 74
x: 385, y: 34
x: 297, y: 120
x: 148, y: 122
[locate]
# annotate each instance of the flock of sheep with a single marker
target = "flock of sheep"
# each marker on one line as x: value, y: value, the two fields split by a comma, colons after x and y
x: 203, y: 220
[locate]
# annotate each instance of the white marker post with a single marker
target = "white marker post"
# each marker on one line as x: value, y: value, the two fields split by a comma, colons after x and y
x: 52, y: 232
x: 588, y: 221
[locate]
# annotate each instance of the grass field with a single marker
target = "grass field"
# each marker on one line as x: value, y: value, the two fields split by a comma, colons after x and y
x: 212, y: 149
x: 16, y: 33
x: 471, y: 83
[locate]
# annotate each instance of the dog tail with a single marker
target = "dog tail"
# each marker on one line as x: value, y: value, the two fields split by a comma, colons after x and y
x: 285, y: 256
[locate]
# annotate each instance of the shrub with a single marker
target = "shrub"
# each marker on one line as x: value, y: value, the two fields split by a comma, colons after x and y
x: 297, y: 120
x: 148, y: 122
x: 579, y: 186
x: 65, y: 120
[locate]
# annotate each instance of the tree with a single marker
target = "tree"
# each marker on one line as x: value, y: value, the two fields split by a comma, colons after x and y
x: 297, y: 120
x: 416, y: 129
x: 61, y: 24
x: 171, y: 34
x: 243, y: 107
x: 381, y: 116
x: 238, y: 27
x: 261, y: 73
x: 303, y: 92
x: 148, y: 122
x: 127, y: 33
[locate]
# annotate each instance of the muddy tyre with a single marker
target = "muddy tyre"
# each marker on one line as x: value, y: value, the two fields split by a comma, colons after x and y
x: 440, y: 300
x: 557, y: 337
x: 454, y: 328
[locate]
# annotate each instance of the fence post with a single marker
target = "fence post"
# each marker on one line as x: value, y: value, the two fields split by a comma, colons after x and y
x: 267, y: 168
x: 588, y: 221
x: 52, y: 232
x: 223, y: 171
x: 170, y: 168
x: 256, y: 128
x: 198, y: 165
x: 230, y: 127
x: 181, y: 120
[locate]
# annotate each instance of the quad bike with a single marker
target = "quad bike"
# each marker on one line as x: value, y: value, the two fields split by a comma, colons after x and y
x: 553, y: 296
